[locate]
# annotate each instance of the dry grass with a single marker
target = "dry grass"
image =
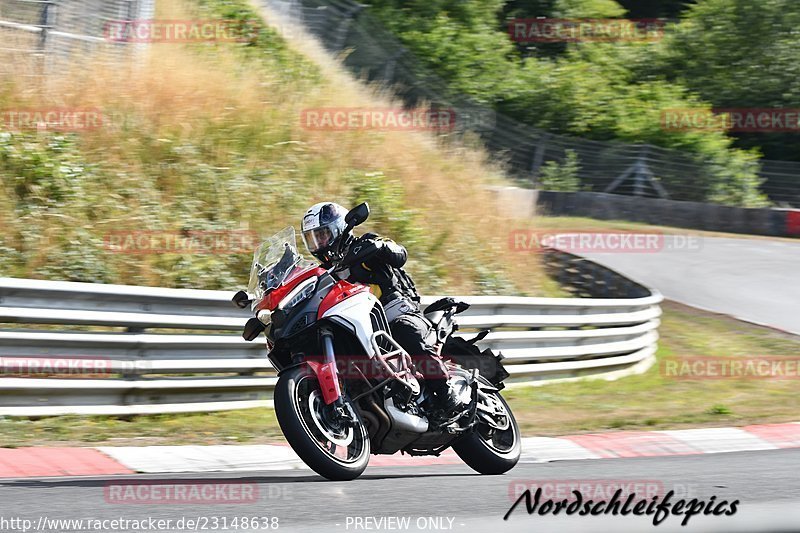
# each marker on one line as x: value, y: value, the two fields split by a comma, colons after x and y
x: 655, y: 401
x: 238, y: 112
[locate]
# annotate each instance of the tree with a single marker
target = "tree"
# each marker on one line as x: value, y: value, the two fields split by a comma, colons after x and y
x: 738, y: 54
x: 601, y: 91
x: 560, y: 177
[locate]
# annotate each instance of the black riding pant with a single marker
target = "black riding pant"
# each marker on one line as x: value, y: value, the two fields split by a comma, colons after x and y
x: 411, y: 330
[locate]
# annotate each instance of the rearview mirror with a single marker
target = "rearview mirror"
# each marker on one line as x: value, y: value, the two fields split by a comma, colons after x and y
x: 241, y: 300
x: 358, y: 215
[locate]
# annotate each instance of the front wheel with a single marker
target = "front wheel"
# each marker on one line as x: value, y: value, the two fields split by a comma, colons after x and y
x: 493, y: 447
x: 331, y: 446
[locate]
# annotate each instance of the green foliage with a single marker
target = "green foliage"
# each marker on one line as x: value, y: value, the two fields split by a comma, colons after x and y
x: 61, y: 199
x: 76, y: 256
x: 46, y: 178
x: 391, y: 217
x: 588, y: 9
x: 456, y: 39
x: 734, y: 181
x: 242, y: 165
x: 259, y: 40
x: 492, y: 281
x: 560, y: 177
x: 47, y: 171
x: 388, y: 212
x: 725, y: 52
x: 718, y: 409
x: 10, y: 259
x: 738, y: 54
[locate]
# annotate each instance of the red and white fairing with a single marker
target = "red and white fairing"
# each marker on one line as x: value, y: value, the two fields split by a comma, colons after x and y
x: 352, y: 305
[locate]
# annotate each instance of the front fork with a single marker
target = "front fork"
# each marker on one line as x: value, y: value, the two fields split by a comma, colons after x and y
x: 326, y: 372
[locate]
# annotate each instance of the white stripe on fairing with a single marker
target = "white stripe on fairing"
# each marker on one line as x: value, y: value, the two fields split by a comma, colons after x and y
x: 543, y: 449
x: 233, y: 458
x: 719, y: 440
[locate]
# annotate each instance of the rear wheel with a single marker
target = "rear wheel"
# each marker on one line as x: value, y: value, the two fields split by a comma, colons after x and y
x: 332, y: 446
x: 493, y: 447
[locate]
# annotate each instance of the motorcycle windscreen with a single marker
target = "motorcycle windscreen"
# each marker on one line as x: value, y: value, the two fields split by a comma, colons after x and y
x: 273, y: 261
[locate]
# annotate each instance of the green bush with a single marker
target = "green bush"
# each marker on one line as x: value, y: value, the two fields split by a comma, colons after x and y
x: 560, y: 177
x: 615, y: 91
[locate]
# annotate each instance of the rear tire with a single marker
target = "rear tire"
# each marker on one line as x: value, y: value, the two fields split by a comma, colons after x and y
x: 298, y: 407
x: 483, y: 454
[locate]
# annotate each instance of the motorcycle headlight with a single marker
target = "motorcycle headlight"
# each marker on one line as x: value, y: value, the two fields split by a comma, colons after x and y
x: 265, y: 317
x: 298, y: 294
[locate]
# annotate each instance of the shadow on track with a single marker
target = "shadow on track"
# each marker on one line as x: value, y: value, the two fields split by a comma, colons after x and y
x: 209, y: 477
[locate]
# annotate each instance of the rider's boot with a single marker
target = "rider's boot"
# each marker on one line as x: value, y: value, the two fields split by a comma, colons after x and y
x: 444, y: 402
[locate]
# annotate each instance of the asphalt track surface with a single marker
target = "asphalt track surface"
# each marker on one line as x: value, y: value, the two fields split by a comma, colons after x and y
x: 757, y: 280
x: 766, y: 483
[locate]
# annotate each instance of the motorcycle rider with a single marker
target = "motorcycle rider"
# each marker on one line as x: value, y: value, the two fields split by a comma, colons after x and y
x: 378, y: 262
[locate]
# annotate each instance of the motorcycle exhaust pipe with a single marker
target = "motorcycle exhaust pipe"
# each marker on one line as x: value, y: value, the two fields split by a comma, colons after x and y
x: 384, y: 423
x: 405, y: 421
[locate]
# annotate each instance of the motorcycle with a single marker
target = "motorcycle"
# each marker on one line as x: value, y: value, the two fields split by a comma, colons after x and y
x: 346, y: 388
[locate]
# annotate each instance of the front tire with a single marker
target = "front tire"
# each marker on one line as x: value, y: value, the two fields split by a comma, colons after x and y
x: 336, y: 452
x: 488, y: 450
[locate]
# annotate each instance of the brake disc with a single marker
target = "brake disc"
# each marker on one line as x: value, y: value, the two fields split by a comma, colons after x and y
x: 315, y: 405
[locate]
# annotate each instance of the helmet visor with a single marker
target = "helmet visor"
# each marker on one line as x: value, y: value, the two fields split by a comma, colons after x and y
x: 318, y: 238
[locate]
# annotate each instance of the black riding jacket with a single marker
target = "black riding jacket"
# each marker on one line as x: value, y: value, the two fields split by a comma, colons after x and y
x: 379, y: 265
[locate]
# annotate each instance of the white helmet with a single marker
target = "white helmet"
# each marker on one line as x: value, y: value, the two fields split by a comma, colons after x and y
x: 323, y: 228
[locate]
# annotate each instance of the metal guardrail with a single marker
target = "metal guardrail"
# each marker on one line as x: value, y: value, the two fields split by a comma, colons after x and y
x: 194, y: 369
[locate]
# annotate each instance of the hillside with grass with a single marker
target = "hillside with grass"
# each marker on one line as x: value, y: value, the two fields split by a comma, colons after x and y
x: 207, y: 137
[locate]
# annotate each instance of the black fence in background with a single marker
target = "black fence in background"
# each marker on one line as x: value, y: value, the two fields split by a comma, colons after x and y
x: 374, y: 54
x: 56, y: 33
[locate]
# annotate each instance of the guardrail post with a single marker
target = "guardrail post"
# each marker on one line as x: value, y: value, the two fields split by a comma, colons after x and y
x: 344, y: 29
x: 46, y: 23
x: 538, y: 157
x: 388, y: 71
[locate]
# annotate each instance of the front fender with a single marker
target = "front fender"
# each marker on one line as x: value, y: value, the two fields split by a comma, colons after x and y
x: 327, y: 379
